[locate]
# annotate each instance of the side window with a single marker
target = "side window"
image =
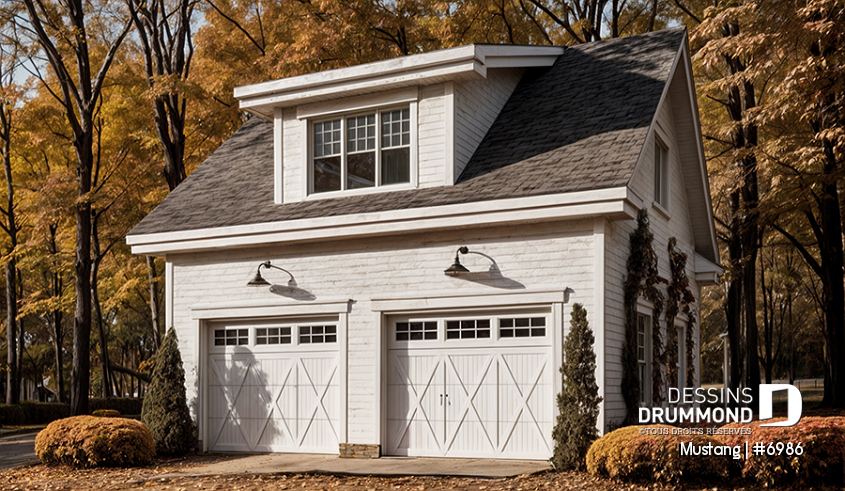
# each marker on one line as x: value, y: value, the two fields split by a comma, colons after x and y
x: 643, y: 324
x: 661, y: 174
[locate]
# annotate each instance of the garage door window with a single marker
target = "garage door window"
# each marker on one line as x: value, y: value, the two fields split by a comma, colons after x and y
x: 416, y: 331
x: 468, y: 329
x: 522, y: 327
x: 231, y: 337
x: 272, y: 335
x: 317, y: 334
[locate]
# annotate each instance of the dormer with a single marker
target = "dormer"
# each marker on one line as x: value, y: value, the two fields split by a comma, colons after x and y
x: 405, y: 123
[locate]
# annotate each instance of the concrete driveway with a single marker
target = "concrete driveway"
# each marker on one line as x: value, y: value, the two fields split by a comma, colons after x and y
x: 385, y: 466
x: 17, y: 450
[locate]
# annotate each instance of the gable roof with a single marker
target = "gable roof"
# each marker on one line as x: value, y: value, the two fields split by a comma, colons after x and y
x: 575, y: 126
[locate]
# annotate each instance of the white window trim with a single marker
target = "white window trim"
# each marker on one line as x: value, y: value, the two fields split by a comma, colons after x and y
x: 649, y: 354
x: 662, y: 204
x: 307, y: 124
x: 681, y: 327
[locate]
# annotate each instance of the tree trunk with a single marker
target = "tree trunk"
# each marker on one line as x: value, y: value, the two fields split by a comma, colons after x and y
x: 733, y: 307
x: 830, y: 244
x: 13, y: 354
x: 98, y: 312
x: 154, y: 300
x: 79, y: 99
x: 80, y: 375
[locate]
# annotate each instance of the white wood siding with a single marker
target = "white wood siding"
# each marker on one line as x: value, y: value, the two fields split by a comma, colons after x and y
x: 678, y: 225
x: 294, y: 172
x: 477, y: 104
x: 550, y: 256
x: 432, y: 136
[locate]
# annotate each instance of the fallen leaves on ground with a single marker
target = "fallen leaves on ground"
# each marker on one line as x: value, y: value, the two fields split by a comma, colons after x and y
x: 41, y: 477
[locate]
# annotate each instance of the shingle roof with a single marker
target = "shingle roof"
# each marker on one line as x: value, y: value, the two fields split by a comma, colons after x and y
x: 578, y: 125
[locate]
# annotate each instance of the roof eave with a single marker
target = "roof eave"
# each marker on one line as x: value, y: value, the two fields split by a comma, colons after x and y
x: 456, y: 64
x: 614, y: 203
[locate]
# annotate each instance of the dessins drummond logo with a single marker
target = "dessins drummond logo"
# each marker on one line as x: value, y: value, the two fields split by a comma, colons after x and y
x: 719, y: 408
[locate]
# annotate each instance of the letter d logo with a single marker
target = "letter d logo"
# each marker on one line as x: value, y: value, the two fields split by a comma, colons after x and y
x: 793, y: 396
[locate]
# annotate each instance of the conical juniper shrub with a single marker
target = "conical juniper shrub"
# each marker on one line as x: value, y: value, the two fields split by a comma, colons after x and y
x: 165, y: 410
x: 579, y: 400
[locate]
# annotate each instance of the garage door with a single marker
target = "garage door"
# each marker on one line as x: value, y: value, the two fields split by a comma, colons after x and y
x: 273, y: 388
x: 477, y: 386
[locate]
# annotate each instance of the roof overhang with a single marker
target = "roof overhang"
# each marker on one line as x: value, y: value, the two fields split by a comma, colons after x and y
x: 613, y: 203
x: 680, y: 91
x: 707, y: 272
x: 463, y: 63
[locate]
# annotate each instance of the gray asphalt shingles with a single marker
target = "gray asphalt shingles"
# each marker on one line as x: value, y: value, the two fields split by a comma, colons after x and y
x: 578, y: 125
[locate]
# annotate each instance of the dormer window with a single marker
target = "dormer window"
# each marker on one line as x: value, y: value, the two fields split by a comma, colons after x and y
x: 361, y: 151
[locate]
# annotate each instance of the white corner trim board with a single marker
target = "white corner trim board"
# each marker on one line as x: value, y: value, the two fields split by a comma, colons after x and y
x: 616, y: 203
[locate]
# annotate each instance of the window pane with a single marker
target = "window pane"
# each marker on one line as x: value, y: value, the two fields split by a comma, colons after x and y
x: 361, y: 170
x: 327, y: 174
x: 360, y: 131
x: 327, y: 138
x: 396, y: 166
x: 396, y: 128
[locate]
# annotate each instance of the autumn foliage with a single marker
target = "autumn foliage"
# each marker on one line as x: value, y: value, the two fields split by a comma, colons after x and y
x: 630, y: 455
x: 822, y: 460
x: 89, y: 441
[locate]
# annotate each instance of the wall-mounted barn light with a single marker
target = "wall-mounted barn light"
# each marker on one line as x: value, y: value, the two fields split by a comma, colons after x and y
x: 457, y: 268
x: 258, y: 280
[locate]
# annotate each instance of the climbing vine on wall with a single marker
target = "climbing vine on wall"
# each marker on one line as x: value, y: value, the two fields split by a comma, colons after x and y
x: 642, y: 280
x: 679, y: 298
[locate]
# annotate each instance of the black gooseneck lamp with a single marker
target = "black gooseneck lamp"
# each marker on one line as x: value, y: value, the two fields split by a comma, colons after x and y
x: 458, y: 268
x: 258, y: 280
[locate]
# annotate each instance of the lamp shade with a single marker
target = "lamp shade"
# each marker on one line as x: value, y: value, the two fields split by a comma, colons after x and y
x: 258, y: 280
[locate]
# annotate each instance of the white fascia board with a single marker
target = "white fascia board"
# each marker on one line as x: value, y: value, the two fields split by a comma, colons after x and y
x: 238, y: 310
x: 467, y: 70
x: 461, y: 63
x: 458, y: 301
x: 615, y: 203
x: 706, y: 271
x: 366, y: 70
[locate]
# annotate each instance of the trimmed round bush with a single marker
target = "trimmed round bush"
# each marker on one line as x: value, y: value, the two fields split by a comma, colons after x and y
x: 822, y: 461
x: 106, y: 413
x: 630, y: 455
x: 90, y: 441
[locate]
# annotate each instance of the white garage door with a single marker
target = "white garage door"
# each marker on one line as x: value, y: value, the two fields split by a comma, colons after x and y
x: 273, y: 388
x: 479, y: 386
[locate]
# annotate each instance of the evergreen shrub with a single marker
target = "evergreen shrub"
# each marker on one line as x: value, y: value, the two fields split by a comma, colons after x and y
x: 578, y: 402
x: 165, y: 410
x: 11, y: 415
x: 44, y: 412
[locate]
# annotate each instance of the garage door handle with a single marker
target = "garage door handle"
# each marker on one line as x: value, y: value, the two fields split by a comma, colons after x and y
x: 441, y: 399
x: 447, y: 400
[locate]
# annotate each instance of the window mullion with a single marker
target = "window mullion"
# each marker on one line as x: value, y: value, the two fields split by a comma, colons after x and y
x: 378, y: 149
x: 343, y: 137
